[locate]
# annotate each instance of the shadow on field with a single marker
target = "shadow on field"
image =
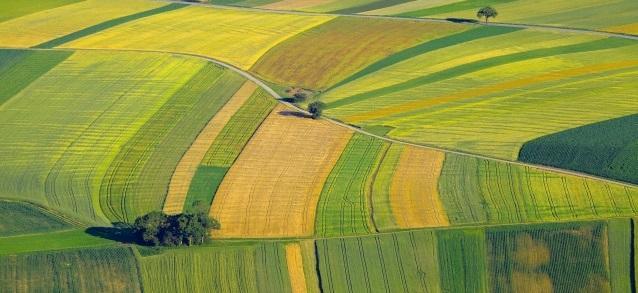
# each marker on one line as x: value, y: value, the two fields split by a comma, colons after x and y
x: 294, y: 114
x: 461, y: 20
x: 120, y: 232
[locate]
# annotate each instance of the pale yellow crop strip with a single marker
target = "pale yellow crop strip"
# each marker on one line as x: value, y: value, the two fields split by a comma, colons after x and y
x: 273, y: 188
x: 490, y: 89
x: 183, y: 175
x: 294, y: 260
x: 294, y: 4
x: 414, y: 196
x: 39, y: 27
x: 237, y: 37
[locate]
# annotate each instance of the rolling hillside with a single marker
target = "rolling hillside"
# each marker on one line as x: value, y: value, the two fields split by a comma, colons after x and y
x: 452, y: 157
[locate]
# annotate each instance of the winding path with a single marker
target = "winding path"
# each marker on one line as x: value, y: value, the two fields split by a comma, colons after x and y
x: 280, y: 99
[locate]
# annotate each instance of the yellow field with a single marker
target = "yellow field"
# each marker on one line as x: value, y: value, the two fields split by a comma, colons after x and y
x: 357, y: 41
x: 181, y: 180
x: 234, y: 36
x: 294, y: 4
x: 414, y: 196
x: 39, y: 27
x: 273, y: 188
x: 409, y: 6
x: 631, y: 28
x: 294, y: 259
x: 490, y: 89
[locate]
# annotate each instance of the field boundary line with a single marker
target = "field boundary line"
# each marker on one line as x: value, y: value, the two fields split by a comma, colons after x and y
x: 280, y: 99
x: 560, y: 29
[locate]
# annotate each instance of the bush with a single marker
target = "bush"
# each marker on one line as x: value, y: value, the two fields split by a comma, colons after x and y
x: 316, y: 109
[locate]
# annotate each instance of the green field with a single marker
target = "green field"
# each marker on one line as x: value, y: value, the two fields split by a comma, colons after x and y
x: 137, y: 180
x: 250, y: 268
x: 483, y: 191
x: 71, y: 271
x: 451, y: 155
x: 607, y: 149
x: 22, y: 218
x: 564, y: 258
x: 344, y: 204
x: 406, y: 261
x: 17, y: 8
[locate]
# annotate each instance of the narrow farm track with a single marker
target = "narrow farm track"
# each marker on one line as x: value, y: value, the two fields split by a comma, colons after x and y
x: 557, y: 29
x: 279, y: 98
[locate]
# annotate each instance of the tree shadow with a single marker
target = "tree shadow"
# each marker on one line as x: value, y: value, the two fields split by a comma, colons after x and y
x: 461, y: 20
x: 120, y: 232
x: 294, y: 114
x: 288, y: 100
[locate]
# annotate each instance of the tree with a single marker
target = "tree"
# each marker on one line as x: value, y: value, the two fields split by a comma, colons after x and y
x: 149, y: 229
x: 157, y: 228
x: 316, y: 109
x: 486, y: 12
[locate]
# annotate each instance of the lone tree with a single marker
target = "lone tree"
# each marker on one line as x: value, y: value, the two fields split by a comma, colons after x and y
x: 157, y: 228
x: 316, y: 109
x: 486, y: 12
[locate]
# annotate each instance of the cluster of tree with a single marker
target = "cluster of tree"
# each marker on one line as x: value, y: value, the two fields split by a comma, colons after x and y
x: 158, y: 228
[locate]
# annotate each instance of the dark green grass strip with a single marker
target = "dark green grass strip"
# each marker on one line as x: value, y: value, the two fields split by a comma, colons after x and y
x: 462, y: 260
x: 203, y: 187
x: 10, y: 9
x: 19, y: 68
x: 108, y: 24
x: 619, y: 250
x: 607, y: 149
x: 453, y: 7
x: 370, y: 6
x: 460, y: 70
x: 428, y: 46
x: 22, y: 218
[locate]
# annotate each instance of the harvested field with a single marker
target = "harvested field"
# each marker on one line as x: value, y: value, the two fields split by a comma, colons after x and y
x: 294, y: 259
x: 187, y: 166
x: 359, y: 42
x: 39, y: 27
x: 414, y: 195
x: 234, y: 36
x: 275, y: 183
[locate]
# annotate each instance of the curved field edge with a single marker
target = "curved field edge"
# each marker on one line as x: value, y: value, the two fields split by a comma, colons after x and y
x: 607, y: 149
x: 18, y: 218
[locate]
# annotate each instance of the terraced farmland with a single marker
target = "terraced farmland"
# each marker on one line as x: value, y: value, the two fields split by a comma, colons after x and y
x: 451, y: 156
